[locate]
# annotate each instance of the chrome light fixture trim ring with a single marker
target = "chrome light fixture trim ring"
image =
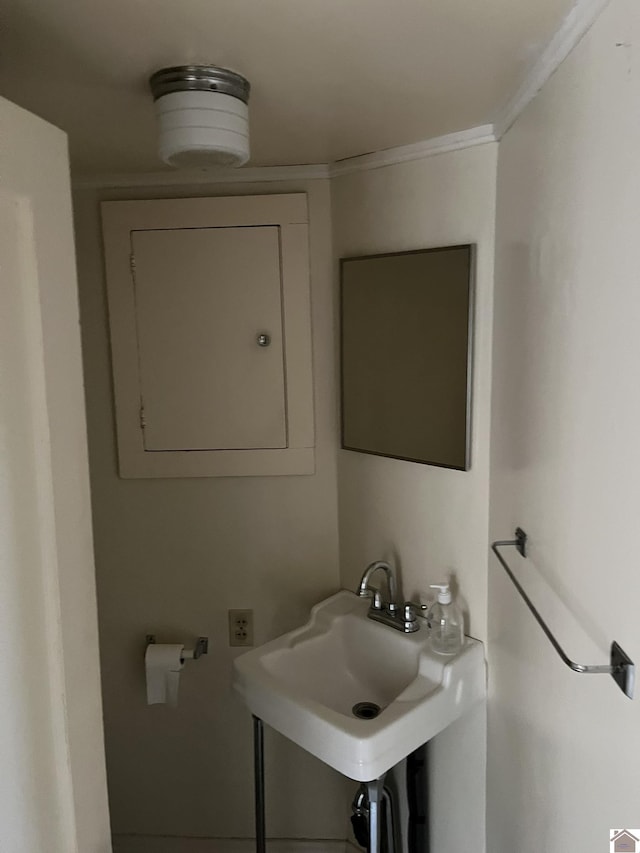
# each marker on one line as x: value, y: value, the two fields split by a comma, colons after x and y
x: 199, y: 78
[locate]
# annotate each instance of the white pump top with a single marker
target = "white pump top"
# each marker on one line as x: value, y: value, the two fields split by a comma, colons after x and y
x: 444, y: 594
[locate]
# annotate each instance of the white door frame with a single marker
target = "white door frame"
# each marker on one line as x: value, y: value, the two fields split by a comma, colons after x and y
x: 53, y: 796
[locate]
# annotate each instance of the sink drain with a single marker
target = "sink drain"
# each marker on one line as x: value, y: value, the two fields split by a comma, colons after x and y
x: 366, y: 710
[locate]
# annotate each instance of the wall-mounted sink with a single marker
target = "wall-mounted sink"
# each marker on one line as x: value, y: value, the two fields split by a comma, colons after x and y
x: 306, y: 683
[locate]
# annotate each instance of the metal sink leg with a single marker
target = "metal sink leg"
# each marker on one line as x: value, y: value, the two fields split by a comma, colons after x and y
x: 375, y: 793
x: 258, y: 767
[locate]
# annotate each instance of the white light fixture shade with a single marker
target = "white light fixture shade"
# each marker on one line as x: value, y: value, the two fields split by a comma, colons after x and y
x: 203, y: 116
x: 201, y: 129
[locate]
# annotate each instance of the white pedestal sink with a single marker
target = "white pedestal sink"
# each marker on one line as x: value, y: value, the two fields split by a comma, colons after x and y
x: 306, y: 683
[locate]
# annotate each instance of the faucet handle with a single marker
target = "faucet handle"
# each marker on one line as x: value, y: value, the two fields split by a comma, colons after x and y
x: 409, y: 617
x: 419, y: 609
x: 409, y: 610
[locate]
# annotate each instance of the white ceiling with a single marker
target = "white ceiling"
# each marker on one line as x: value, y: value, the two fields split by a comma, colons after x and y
x: 330, y: 78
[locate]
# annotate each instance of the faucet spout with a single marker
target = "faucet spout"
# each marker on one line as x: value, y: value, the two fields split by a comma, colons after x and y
x: 388, y: 612
x: 379, y: 565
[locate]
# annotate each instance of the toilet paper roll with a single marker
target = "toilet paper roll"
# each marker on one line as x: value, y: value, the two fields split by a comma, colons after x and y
x: 162, y: 663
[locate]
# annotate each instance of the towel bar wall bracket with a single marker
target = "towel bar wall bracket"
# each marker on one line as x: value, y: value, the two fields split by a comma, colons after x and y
x: 620, y: 667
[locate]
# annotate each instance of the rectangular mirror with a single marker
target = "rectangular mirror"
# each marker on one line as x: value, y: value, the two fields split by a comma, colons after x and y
x: 406, y: 355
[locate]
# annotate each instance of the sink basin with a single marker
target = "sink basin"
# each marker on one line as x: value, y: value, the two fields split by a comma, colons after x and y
x: 306, y: 683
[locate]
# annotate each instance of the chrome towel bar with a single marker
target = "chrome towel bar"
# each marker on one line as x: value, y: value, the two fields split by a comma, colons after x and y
x: 620, y: 667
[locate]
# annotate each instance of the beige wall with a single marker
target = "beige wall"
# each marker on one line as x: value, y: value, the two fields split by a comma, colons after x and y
x: 173, y: 555
x: 430, y: 522
x: 563, y: 748
x: 53, y: 794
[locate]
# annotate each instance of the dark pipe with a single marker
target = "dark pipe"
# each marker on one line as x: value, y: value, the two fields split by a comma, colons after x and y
x: 418, y: 801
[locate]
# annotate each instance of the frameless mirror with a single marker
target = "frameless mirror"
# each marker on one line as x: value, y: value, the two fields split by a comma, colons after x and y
x: 406, y: 354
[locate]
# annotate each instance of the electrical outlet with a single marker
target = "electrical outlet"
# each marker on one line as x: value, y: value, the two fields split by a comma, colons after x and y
x: 241, y: 627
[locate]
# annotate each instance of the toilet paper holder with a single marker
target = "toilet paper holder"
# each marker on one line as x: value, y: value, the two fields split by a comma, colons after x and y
x: 201, y: 648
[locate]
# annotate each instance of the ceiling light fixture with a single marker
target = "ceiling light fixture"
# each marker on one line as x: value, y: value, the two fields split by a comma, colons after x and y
x: 203, y: 116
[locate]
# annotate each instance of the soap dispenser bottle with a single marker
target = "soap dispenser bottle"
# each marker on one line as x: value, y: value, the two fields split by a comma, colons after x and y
x: 445, y: 620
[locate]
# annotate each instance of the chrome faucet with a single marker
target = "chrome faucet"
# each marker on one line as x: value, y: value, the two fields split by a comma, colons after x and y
x: 388, y: 612
x: 366, y: 591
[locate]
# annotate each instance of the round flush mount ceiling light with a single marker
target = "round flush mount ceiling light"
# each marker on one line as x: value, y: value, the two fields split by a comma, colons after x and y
x: 203, y: 116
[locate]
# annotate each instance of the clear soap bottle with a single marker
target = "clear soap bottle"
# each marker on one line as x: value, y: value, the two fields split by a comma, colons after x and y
x: 445, y: 620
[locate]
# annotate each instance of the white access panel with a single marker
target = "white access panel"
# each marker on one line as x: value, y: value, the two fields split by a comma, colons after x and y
x: 203, y: 298
x: 192, y: 284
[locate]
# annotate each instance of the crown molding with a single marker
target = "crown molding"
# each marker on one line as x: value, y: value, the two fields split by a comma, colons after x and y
x: 360, y: 163
x: 417, y: 151
x: 185, y: 177
x: 577, y: 23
